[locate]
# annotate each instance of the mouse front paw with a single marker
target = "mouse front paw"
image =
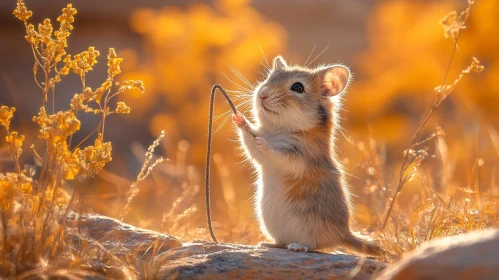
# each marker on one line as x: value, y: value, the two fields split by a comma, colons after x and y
x: 262, y: 144
x: 297, y: 247
x: 239, y: 120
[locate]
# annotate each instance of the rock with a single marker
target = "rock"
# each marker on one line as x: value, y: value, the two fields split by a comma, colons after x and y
x: 228, y: 261
x: 473, y: 255
x: 121, y: 238
x: 210, y: 260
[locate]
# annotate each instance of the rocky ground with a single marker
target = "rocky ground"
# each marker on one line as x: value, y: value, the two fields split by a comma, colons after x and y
x: 468, y: 256
x: 220, y: 260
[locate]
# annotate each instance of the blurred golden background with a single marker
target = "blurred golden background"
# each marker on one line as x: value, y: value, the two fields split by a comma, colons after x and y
x: 396, y: 50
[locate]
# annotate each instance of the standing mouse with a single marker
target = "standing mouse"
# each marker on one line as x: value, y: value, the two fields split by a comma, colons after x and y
x: 302, y: 200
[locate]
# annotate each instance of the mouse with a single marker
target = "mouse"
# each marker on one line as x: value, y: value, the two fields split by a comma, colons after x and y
x: 302, y: 199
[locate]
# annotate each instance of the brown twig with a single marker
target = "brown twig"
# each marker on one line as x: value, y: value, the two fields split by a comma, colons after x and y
x: 208, y: 151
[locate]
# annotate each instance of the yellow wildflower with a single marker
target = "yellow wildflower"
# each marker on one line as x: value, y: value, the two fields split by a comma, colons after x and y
x: 45, y: 30
x: 122, y: 108
x: 26, y: 187
x: 83, y: 62
x: 21, y: 12
x: 7, y: 190
x: 11, y: 185
x: 97, y: 95
x: 16, y: 141
x: 81, y: 101
x: 65, y: 19
x: 56, y: 127
x: 6, y: 115
x: 130, y: 85
x: 77, y: 102
x: 64, y: 71
x: 67, y: 65
x: 69, y: 162
x: 32, y: 35
x: 94, y: 158
x: 113, y: 63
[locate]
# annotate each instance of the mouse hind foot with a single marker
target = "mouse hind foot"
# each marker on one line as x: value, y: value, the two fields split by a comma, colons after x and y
x: 297, y: 247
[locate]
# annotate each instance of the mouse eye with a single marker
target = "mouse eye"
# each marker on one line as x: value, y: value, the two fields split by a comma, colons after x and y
x: 297, y: 87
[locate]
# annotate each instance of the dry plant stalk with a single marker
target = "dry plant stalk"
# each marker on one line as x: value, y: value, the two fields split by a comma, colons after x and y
x: 452, y: 25
x: 145, y: 171
x: 208, y: 150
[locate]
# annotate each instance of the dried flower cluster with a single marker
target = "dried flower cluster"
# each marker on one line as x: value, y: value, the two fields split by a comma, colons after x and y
x: 444, y: 90
x: 452, y: 24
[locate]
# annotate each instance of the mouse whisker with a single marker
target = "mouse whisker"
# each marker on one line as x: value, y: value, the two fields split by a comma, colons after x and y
x: 241, y: 98
x: 222, y: 124
x: 317, y: 56
x: 242, y: 107
x: 240, y: 92
x: 266, y: 61
x: 309, y: 55
x: 236, y: 84
x: 241, y: 77
x: 265, y: 68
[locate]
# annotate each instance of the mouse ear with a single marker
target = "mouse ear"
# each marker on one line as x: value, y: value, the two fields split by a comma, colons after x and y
x: 279, y: 63
x: 334, y: 79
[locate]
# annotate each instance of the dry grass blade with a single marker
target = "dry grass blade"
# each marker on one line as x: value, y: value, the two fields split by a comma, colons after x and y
x: 145, y: 171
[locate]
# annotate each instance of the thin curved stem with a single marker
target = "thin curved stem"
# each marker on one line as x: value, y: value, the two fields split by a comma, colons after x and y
x: 208, y: 151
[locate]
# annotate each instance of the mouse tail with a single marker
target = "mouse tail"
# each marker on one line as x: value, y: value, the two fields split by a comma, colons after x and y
x: 362, y: 245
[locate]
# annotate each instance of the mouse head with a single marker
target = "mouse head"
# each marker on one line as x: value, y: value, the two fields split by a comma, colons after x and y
x: 298, y: 98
